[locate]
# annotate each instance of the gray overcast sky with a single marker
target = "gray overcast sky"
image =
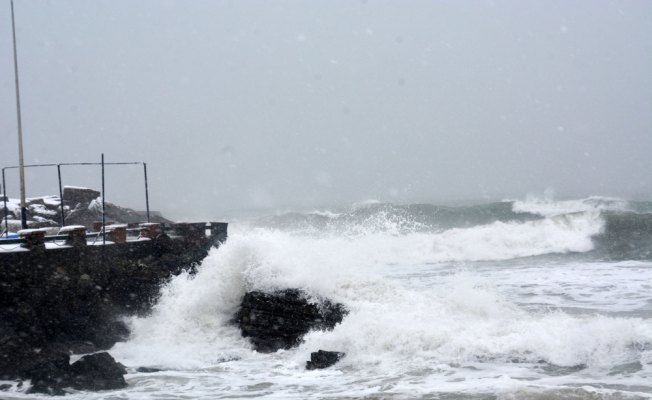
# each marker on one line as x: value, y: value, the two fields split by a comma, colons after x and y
x: 244, y: 104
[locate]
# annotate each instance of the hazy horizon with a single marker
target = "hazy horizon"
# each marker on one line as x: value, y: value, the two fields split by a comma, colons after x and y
x: 250, y: 105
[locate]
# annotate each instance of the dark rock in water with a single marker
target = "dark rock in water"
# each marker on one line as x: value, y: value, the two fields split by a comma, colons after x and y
x: 5, y: 386
x: 323, y: 359
x: 49, y: 368
x: 148, y: 370
x: 278, y: 320
x: 97, y: 371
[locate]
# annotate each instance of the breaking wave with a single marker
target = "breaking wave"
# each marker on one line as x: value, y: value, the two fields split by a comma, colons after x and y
x: 607, y: 227
x: 463, y: 321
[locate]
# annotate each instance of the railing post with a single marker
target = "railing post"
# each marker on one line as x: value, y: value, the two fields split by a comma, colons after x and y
x: 103, y: 216
x: 4, y: 194
x: 117, y: 233
x: 34, y: 239
x: 63, y: 216
x: 150, y: 230
x: 146, y: 191
x: 76, y: 235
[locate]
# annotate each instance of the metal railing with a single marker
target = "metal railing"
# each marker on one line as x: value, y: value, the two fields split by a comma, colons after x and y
x: 211, y: 232
x: 59, y: 165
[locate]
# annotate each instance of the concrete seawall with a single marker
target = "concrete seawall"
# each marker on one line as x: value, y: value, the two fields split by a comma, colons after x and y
x: 71, y: 298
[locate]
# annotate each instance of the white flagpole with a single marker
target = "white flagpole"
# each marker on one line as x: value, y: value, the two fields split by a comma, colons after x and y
x: 21, y: 163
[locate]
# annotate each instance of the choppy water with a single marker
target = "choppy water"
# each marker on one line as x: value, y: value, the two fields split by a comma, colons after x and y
x: 514, y: 300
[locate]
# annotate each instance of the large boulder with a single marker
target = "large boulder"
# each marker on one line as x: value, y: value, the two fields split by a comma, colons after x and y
x: 274, y: 321
x: 50, y: 372
x: 72, y: 196
x: 97, y: 371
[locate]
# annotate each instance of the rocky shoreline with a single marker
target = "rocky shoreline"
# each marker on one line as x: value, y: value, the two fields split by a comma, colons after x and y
x: 71, y: 299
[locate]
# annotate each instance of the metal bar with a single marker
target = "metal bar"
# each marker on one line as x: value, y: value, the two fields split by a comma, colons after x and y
x: 102, y: 164
x: 63, y: 216
x: 146, y: 191
x: 54, y: 165
x: 107, y: 163
x: 30, y: 165
x: 21, y: 163
x: 4, y: 185
x: 103, y: 216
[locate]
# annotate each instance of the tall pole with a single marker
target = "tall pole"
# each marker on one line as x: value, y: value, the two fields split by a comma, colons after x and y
x: 21, y: 164
x: 103, y: 216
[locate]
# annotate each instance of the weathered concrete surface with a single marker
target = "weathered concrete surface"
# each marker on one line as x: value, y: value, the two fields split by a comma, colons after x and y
x: 274, y: 321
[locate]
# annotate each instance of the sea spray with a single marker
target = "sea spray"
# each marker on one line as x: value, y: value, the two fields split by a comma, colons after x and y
x: 440, y: 310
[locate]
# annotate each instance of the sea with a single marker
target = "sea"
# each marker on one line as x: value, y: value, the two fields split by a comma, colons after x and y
x: 517, y: 299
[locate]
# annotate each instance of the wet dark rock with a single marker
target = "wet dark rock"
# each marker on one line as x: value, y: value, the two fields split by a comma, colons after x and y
x: 97, y: 371
x: 78, y: 347
x: 5, y: 386
x: 274, y: 321
x: 75, y: 298
x: 109, y: 333
x: 18, y: 357
x: 323, y: 359
x: 48, y: 372
x: 148, y: 370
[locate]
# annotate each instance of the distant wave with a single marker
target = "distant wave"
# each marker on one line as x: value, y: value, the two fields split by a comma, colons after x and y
x: 548, y: 207
x: 607, y: 227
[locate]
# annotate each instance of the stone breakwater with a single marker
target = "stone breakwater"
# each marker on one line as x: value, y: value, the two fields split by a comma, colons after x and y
x: 71, y: 300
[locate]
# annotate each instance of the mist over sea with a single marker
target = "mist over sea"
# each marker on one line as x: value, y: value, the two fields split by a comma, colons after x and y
x: 530, y: 299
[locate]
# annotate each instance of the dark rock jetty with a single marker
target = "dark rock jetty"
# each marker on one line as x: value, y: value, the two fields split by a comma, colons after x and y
x: 72, y: 300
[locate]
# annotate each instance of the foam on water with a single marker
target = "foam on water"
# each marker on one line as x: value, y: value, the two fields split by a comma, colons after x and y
x: 464, y: 333
x: 508, y: 309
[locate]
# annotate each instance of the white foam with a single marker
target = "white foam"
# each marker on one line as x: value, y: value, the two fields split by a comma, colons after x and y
x: 500, y: 240
x: 548, y: 207
x: 460, y: 321
x: 441, y: 330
